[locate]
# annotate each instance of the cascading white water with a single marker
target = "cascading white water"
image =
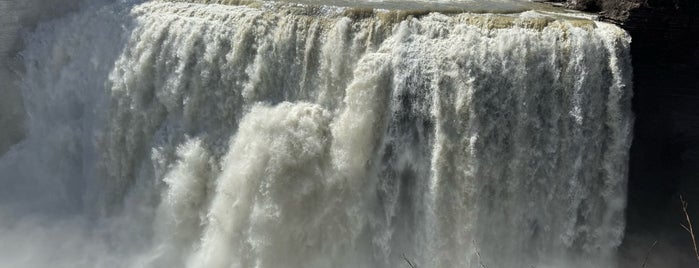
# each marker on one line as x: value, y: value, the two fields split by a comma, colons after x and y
x: 277, y: 135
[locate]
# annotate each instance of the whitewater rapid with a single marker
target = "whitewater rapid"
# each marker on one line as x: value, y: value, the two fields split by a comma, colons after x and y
x: 180, y: 134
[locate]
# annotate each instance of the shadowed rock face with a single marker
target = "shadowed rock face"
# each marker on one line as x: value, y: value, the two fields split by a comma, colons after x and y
x: 665, y: 151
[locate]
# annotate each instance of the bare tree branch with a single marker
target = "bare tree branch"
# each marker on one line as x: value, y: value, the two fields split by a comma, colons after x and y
x: 688, y: 227
x: 412, y: 265
x: 480, y: 260
x: 645, y: 260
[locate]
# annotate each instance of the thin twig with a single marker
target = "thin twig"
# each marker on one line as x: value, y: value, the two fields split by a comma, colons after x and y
x: 688, y: 227
x: 685, y: 227
x: 412, y: 265
x: 480, y: 260
x: 645, y: 260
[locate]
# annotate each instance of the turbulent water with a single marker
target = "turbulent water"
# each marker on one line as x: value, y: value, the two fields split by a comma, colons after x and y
x: 173, y: 134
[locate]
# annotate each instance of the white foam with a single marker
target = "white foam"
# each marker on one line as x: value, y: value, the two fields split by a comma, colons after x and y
x: 230, y: 136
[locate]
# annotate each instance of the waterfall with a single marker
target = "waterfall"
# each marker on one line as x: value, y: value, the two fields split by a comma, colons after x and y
x: 270, y: 134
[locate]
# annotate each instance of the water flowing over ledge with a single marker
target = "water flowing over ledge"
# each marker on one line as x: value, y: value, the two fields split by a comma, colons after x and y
x: 206, y: 135
x: 481, y: 6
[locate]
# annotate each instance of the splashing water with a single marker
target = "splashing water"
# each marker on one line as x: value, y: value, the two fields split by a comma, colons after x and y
x: 172, y: 134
